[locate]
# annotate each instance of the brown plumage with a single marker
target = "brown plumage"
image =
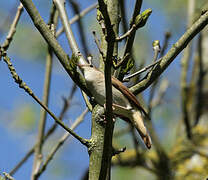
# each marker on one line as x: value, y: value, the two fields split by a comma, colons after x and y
x: 131, y: 97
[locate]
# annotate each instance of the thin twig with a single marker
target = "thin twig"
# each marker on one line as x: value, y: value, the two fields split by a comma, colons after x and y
x: 76, y: 17
x: 75, y: 7
x: 123, y: 15
x: 87, y: 102
x: 23, y: 85
x: 184, y: 73
x: 161, y: 92
x: 165, y: 43
x: 12, y: 29
x: 142, y: 70
x: 41, y: 130
x: 61, y: 142
x: 156, y: 48
x: 200, y: 81
x: 48, y: 133
x: 60, y: 5
x: 156, y: 83
x: 163, y: 86
x: 128, y: 33
x: 97, y: 43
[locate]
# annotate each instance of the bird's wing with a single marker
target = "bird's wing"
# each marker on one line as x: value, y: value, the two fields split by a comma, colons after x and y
x: 131, y: 97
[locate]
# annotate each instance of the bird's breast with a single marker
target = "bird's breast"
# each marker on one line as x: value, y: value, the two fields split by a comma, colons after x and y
x: 96, y: 84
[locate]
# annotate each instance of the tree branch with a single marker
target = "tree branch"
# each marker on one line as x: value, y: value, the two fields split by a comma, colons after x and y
x: 48, y: 133
x: 12, y: 29
x: 77, y: 17
x: 53, y: 43
x: 130, y: 39
x: 109, y: 11
x: 101, y: 153
x: 61, y: 142
x: 81, y: 29
x: 60, y: 4
x: 41, y: 130
x: 184, y: 73
x: 171, y: 54
x: 23, y: 85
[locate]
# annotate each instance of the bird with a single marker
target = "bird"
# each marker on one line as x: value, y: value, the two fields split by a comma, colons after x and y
x: 124, y: 102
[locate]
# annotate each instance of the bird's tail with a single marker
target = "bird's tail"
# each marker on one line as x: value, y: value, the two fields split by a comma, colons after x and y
x: 137, y: 120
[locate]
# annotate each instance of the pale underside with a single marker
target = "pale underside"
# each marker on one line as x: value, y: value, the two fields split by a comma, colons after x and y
x: 122, y: 105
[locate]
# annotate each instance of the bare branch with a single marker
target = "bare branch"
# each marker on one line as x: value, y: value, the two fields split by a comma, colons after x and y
x: 76, y: 17
x: 161, y: 92
x: 172, y: 53
x: 142, y: 70
x: 23, y: 85
x: 38, y: 150
x: 130, y: 39
x: 156, y: 82
x: 81, y: 29
x: 201, y: 79
x: 165, y: 43
x: 128, y: 33
x: 12, y: 29
x: 98, y: 44
x: 61, y: 142
x: 103, y: 150
x: 184, y: 73
x: 139, y: 21
x: 48, y: 133
x: 60, y: 4
x: 51, y: 40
